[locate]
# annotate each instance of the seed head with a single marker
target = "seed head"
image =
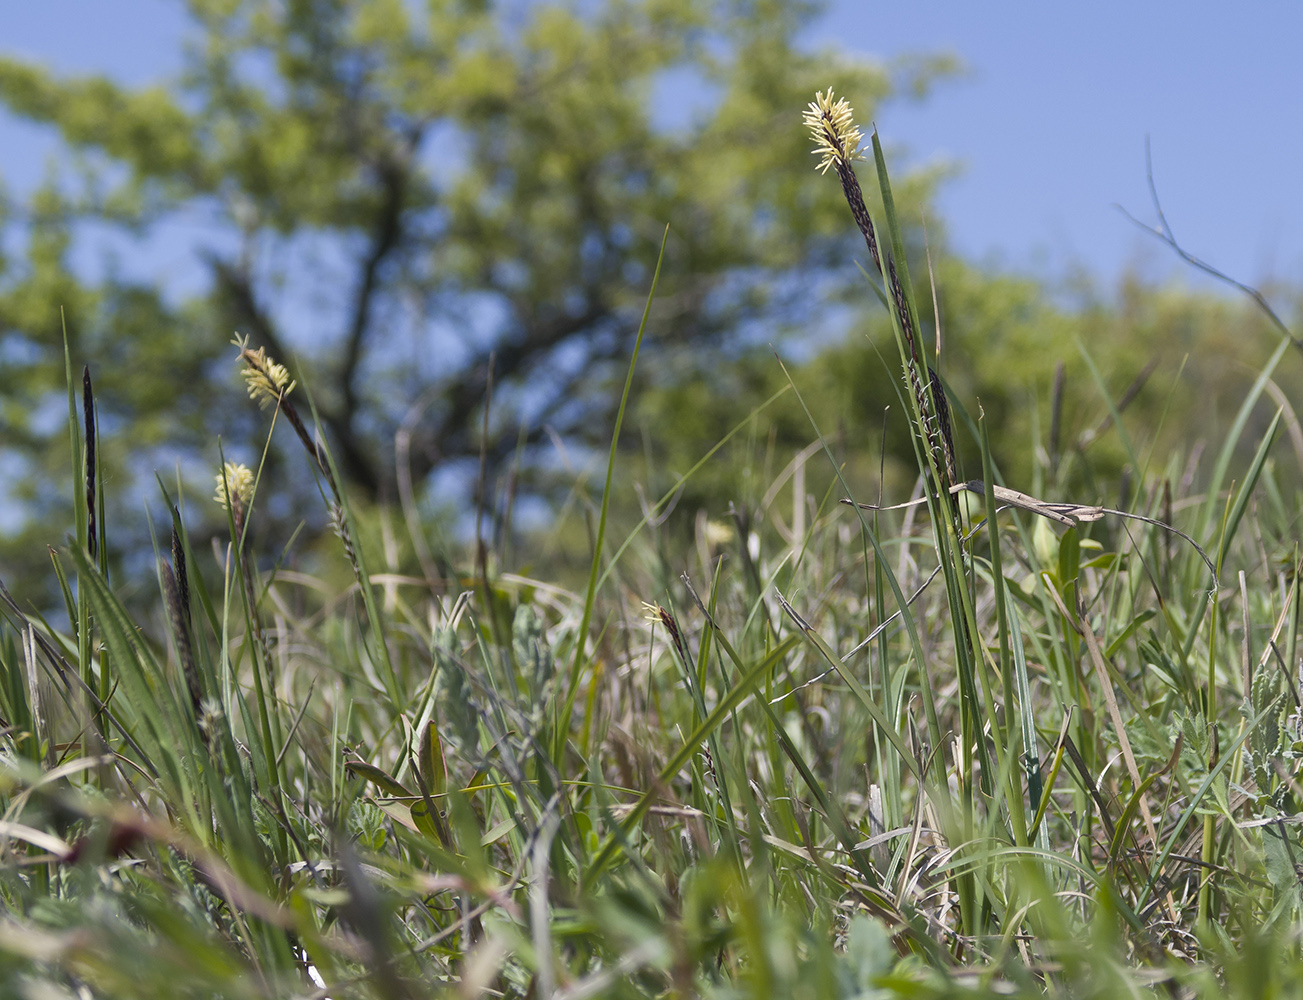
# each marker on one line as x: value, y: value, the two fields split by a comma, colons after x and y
x: 235, y: 481
x: 268, y: 381
x: 832, y: 125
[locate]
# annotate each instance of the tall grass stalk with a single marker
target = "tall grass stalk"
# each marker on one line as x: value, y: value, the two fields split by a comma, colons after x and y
x: 1071, y: 767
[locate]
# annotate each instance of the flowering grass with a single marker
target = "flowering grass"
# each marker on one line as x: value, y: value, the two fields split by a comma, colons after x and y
x: 1015, y: 747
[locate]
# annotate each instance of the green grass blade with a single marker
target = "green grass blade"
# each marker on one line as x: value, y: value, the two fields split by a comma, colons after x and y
x: 590, y: 596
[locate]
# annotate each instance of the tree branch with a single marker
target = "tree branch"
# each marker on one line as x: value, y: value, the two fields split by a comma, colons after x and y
x: 1163, y: 232
x: 233, y: 282
x: 509, y: 358
x: 450, y: 437
x: 395, y: 174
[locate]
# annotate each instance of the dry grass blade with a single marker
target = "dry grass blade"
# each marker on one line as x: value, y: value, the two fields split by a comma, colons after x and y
x: 1082, y: 625
x: 1065, y: 513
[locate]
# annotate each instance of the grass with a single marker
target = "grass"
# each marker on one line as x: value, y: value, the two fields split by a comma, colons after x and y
x: 1067, y: 763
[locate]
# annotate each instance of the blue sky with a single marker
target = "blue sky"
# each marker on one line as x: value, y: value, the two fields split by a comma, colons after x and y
x: 1051, y: 124
x: 1048, y: 126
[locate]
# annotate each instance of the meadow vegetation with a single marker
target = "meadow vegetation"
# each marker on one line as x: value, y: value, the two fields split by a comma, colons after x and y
x: 1023, y: 718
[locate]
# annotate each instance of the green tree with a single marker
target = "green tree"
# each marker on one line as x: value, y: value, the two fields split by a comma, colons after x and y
x: 397, y: 198
x: 1178, y: 362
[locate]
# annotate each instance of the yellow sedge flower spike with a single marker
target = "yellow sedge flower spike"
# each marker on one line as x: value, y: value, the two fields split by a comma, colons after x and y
x: 268, y: 382
x: 235, y: 481
x: 832, y: 125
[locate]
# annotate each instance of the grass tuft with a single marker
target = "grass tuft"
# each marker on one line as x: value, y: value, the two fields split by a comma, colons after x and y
x: 1030, y: 748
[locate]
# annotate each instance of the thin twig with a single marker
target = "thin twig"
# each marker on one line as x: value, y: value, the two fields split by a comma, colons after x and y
x: 1163, y: 232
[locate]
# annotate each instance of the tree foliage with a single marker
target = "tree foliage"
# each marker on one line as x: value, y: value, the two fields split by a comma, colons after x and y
x: 402, y: 201
x: 1178, y: 361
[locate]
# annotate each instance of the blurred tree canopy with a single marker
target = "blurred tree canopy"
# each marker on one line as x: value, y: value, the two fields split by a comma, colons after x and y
x: 1179, y: 363
x: 409, y: 202
x: 394, y: 198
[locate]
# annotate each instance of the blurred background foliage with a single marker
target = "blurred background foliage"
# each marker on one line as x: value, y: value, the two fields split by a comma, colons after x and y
x: 412, y: 205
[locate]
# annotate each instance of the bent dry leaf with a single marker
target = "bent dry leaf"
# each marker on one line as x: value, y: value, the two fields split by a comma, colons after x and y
x: 1063, y: 512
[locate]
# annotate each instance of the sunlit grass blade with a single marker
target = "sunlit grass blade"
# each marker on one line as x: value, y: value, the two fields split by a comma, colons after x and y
x: 590, y: 596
